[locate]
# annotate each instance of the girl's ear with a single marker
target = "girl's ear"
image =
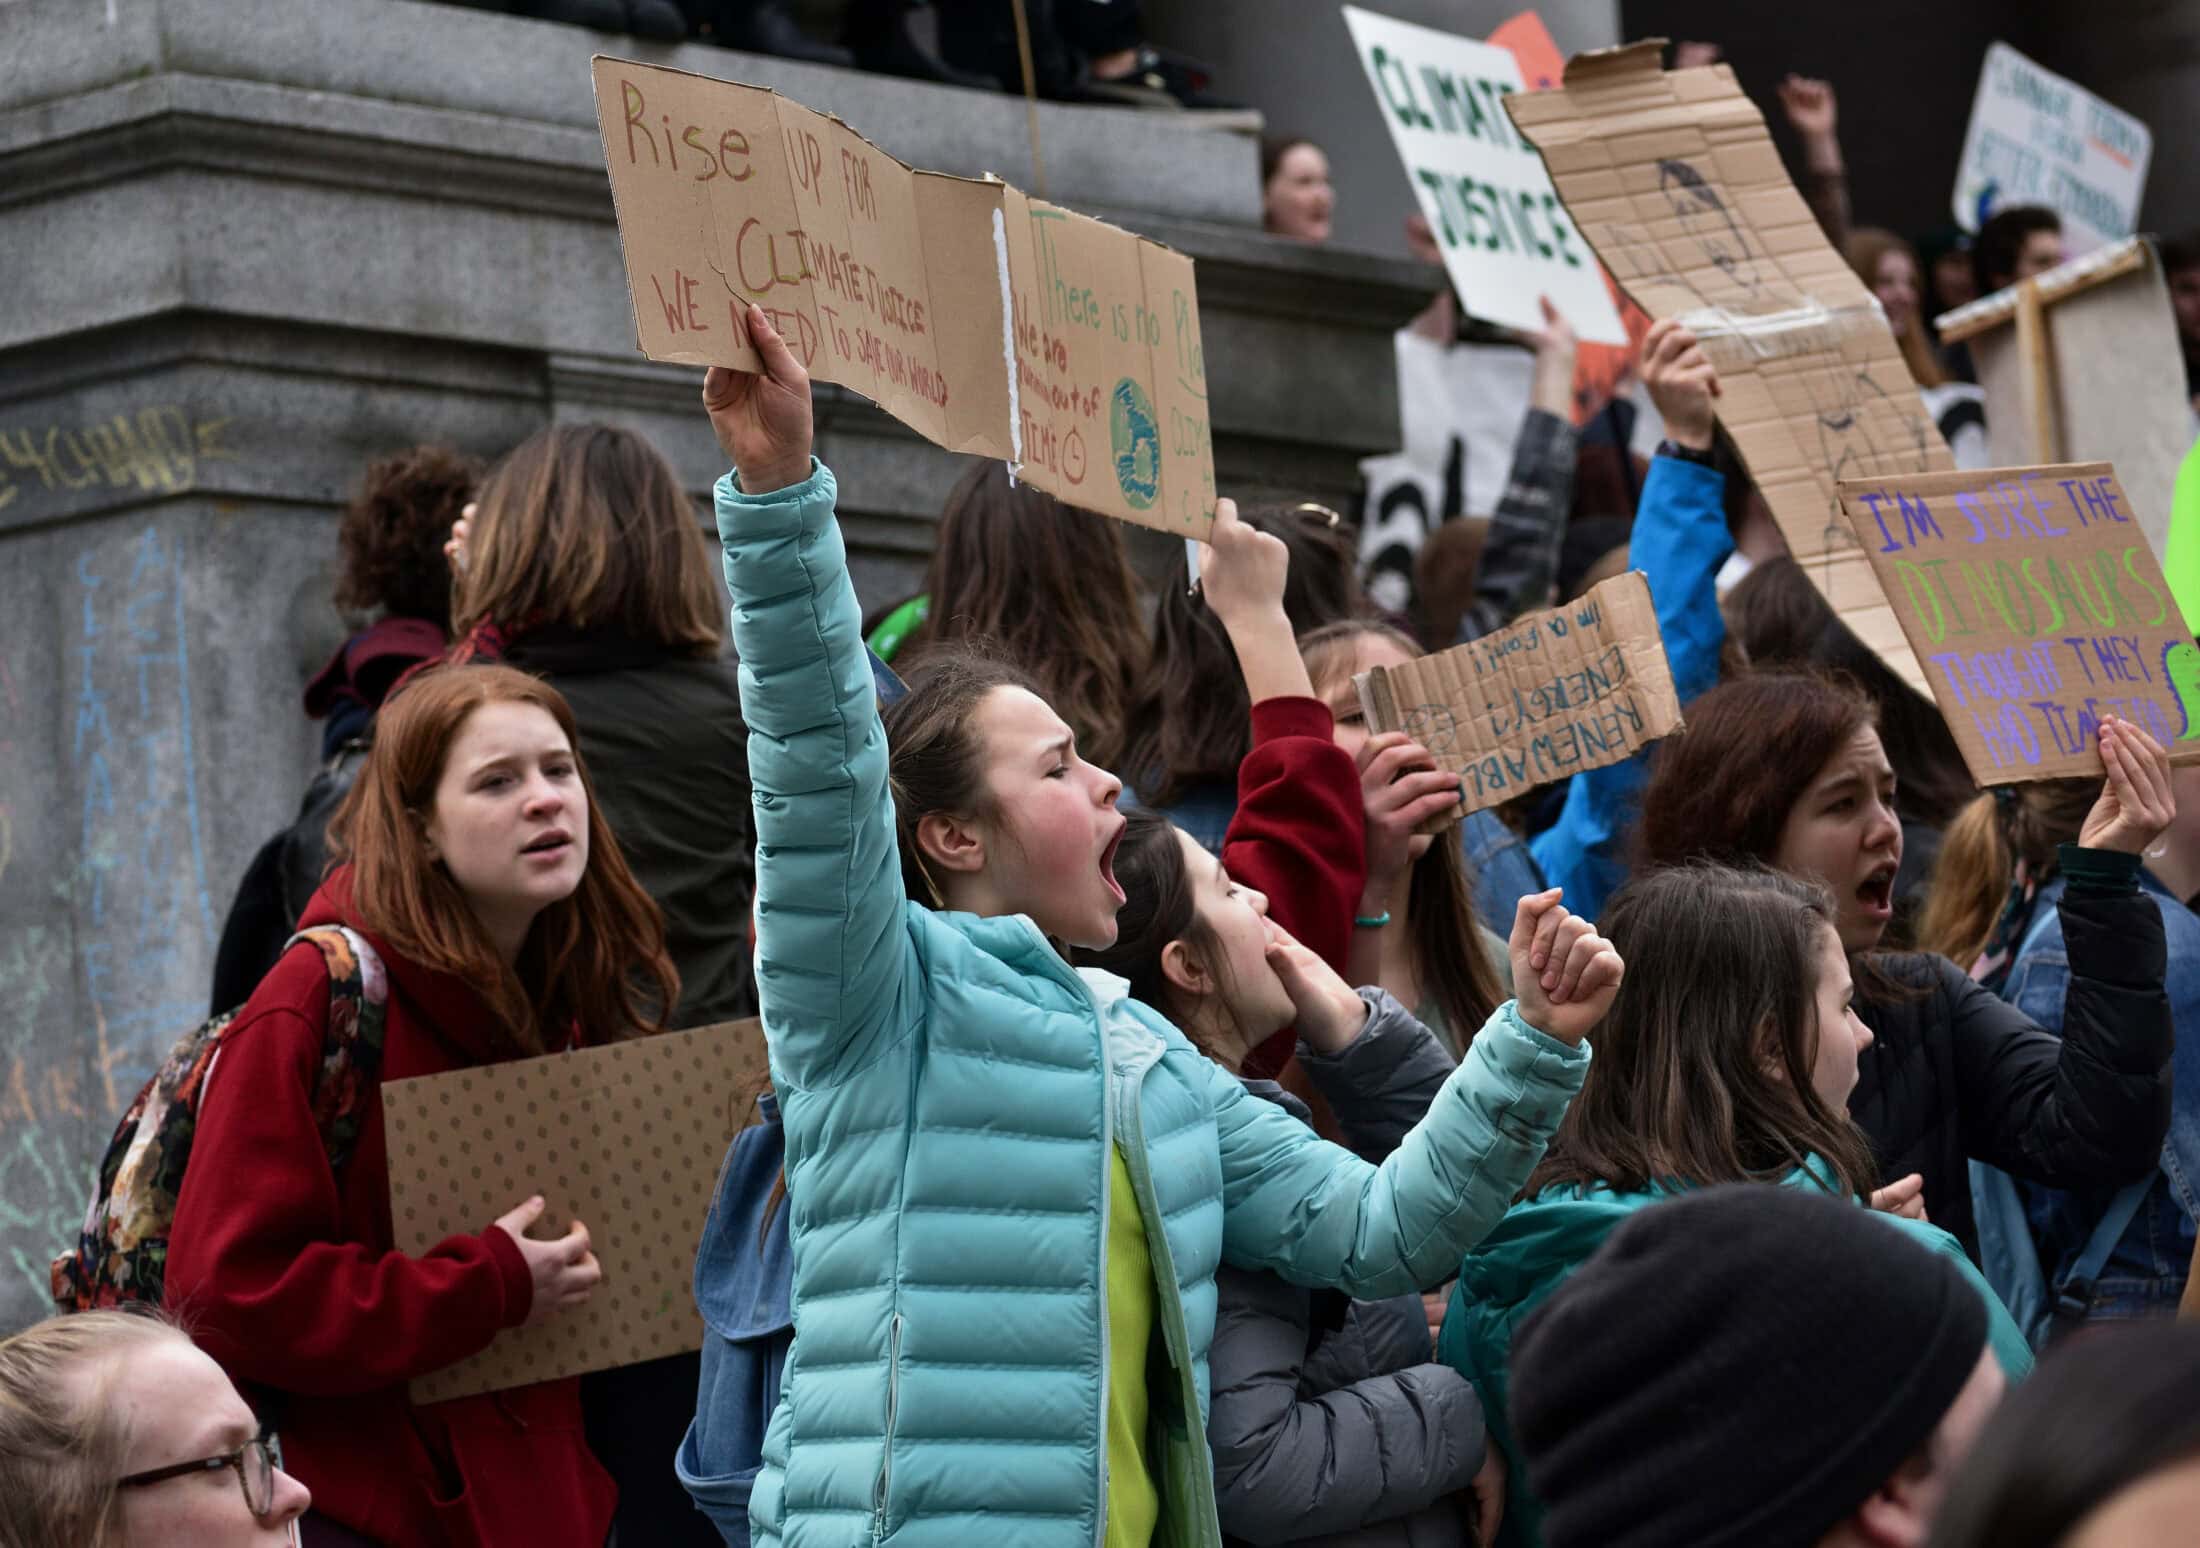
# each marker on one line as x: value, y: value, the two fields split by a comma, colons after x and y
x: 951, y: 843
x: 1181, y: 966
x: 427, y: 834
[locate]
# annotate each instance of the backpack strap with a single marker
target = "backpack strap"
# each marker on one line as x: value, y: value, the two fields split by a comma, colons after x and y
x: 351, y: 1048
x: 2074, y: 1296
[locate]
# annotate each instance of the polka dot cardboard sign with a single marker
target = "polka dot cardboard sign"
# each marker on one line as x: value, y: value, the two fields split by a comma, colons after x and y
x: 627, y: 1138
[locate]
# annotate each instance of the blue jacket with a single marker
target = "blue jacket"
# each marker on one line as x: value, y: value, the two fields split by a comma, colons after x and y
x: 744, y: 1287
x: 952, y: 1090
x: 2147, y: 1268
x: 1679, y: 541
x: 1533, y: 1251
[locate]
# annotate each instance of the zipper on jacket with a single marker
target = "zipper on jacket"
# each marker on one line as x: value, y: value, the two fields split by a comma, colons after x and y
x: 885, y: 1483
x: 1107, y: 1203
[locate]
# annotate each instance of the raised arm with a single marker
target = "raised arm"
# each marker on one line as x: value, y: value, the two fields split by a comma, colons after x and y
x: 2092, y: 1107
x: 1520, y: 556
x: 1297, y: 834
x: 1317, y: 1214
x: 832, y: 956
x: 1680, y: 540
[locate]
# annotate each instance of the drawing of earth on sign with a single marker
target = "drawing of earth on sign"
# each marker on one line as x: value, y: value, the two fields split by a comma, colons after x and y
x: 2181, y: 667
x: 1136, y: 437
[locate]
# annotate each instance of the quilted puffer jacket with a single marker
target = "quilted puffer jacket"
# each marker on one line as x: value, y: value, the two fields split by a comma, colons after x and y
x: 951, y: 1090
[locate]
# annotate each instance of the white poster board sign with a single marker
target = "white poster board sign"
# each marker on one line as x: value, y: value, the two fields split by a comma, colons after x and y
x: 1506, y: 235
x: 2036, y: 138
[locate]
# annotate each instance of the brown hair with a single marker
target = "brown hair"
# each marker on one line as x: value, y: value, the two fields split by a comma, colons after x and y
x: 936, y: 756
x: 585, y: 954
x: 1160, y: 905
x: 587, y: 526
x: 62, y: 1441
x: 392, y: 533
x: 1780, y: 620
x: 1047, y: 586
x: 1866, y: 246
x: 1680, y: 1091
x: 1981, y: 850
x: 1455, y: 972
x: 1191, y: 720
x: 1722, y: 788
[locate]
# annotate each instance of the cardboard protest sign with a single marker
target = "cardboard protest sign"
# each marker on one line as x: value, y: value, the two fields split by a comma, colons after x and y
x: 2112, y: 375
x: 2037, y: 607
x: 627, y: 1138
x: 1578, y: 687
x: 1507, y: 239
x: 2036, y: 138
x: 1602, y: 372
x: 1673, y: 179
x: 985, y: 321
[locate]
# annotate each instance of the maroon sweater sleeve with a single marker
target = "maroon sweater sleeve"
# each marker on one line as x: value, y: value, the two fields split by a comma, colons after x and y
x: 1300, y: 836
x: 266, y: 1265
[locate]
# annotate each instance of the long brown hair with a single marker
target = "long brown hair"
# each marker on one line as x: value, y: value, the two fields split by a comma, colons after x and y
x: 1703, y: 1066
x: 1049, y: 587
x: 1454, y: 970
x: 1866, y: 246
x: 1191, y: 720
x: 587, y: 526
x: 1980, y: 852
x: 597, y: 957
x: 63, y: 1438
x: 1722, y: 788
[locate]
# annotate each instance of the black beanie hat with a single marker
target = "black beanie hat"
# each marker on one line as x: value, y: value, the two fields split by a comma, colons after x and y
x: 1743, y: 1365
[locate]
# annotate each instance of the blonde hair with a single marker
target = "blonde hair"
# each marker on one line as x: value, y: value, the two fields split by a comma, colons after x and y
x: 1980, y: 853
x: 61, y: 1444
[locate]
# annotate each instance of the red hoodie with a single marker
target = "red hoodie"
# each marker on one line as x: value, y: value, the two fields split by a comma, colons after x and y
x: 289, y: 1277
x: 1300, y: 836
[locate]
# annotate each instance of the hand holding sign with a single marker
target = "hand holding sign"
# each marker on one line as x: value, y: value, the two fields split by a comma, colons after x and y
x: 1682, y: 383
x: 1243, y: 571
x: 1404, y: 793
x: 763, y: 420
x: 565, y: 1272
x: 2136, y: 802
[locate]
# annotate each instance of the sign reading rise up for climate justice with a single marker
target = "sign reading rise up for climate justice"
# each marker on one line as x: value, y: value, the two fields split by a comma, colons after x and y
x: 2036, y: 607
x: 985, y: 321
x: 1506, y: 236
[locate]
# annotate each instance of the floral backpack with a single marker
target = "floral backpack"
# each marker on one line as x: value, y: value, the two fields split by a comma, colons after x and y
x: 122, y: 1254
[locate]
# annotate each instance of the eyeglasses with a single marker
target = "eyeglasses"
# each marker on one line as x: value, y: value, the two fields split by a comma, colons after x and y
x: 254, y: 1463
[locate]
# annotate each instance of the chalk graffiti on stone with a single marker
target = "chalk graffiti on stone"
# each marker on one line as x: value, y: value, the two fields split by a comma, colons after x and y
x: 155, y: 450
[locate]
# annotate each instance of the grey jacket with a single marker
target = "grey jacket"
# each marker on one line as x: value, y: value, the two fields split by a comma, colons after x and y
x: 1331, y: 1423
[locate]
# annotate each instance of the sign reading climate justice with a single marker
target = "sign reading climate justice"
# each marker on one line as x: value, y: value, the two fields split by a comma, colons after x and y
x: 2036, y: 138
x: 2036, y: 607
x: 1506, y: 236
x: 985, y: 321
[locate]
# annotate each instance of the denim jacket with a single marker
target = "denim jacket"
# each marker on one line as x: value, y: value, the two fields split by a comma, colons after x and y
x: 2146, y: 1270
x: 744, y: 1287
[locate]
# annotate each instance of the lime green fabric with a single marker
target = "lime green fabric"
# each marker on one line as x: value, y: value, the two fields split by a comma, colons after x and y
x: 894, y: 629
x: 2181, y: 562
x: 1134, y: 1503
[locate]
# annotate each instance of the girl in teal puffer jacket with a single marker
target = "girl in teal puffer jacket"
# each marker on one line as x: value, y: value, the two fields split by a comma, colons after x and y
x: 1009, y: 1184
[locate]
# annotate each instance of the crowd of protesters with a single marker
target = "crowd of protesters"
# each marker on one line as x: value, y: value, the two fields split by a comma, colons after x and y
x: 1176, y: 1134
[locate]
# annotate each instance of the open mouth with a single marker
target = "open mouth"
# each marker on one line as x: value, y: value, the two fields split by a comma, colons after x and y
x: 1876, y: 892
x: 1107, y: 866
x: 553, y: 843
